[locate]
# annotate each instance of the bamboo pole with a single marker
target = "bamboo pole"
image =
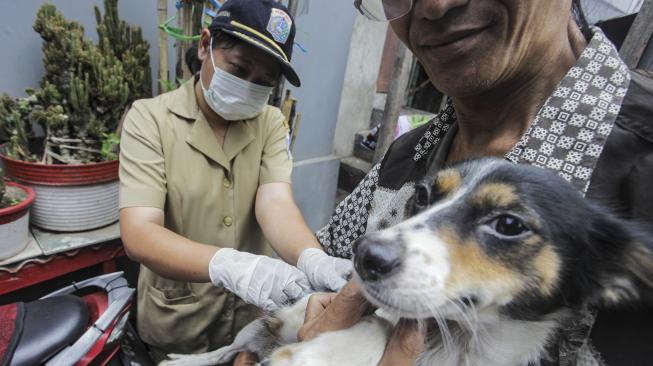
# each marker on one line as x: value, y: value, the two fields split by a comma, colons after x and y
x: 162, y: 11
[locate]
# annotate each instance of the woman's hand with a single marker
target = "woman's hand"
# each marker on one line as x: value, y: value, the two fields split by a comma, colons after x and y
x: 325, y: 272
x: 257, y: 279
x: 329, y: 312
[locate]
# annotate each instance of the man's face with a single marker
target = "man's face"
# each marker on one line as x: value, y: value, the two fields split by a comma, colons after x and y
x: 468, y: 47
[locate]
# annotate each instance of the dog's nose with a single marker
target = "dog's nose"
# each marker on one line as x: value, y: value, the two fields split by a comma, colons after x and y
x: 375, y: 260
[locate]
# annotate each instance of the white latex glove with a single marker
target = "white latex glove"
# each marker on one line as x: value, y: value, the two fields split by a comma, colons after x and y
x: 323, y: 271
x: 257, y: 279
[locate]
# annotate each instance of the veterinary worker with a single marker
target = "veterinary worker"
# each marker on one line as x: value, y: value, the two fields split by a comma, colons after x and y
x: 205, y: 178
x: 531, y: 82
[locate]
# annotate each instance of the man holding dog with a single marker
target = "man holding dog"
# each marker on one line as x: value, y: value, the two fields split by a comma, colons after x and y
x: 529, y: 81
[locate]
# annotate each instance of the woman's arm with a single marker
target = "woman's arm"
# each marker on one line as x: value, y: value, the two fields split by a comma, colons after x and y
x: 284, y: 226
x: 282, y: 222
x: 257, y: 279
x: 170, y: 255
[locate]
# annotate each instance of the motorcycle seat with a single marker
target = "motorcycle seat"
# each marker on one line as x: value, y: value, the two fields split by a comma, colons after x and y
x: 49, y: 326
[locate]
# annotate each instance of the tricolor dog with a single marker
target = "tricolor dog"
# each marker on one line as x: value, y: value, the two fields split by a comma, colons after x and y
x: 495, y: 258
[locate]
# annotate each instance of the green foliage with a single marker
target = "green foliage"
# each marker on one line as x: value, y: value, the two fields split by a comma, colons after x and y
x: 85, y: 91
x: 110, y: 142
x: 169, y: 85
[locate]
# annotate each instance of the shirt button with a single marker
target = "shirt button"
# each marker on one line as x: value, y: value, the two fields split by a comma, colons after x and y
x: 226, y: 183
x: 228, y: 221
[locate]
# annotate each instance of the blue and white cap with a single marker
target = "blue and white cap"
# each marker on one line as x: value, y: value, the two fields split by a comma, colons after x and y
x: 265, y: 24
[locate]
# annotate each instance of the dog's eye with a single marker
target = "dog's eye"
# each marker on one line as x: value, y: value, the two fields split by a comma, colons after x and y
x: 421, y: 199
x: 509, y: 225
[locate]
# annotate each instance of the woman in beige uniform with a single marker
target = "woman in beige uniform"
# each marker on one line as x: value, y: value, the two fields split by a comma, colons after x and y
x: 205, y: 179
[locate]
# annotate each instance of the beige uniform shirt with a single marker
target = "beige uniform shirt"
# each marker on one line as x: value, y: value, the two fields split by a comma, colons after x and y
x: 170, y: 159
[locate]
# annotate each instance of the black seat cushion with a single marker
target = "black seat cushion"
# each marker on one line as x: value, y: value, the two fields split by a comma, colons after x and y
x: 50, y: 325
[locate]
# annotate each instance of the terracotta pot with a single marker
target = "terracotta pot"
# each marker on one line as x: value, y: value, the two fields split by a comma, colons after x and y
x: 74, y: 197
x: 14, y: 223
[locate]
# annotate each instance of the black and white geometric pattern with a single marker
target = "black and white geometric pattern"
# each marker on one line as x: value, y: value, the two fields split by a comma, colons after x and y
x: 569, y: 132
x: 349, y: 221
x: 438, y: 127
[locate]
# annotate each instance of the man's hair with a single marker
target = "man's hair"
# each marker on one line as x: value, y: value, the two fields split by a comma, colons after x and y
x: 579, y: 16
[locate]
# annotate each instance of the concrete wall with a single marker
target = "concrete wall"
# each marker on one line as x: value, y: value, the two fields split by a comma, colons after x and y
x: 20, y: 60
x: 325, y: 30
x: 359, y: 88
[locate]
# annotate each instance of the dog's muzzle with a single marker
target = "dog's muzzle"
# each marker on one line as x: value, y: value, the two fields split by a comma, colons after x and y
x: 376, y: 259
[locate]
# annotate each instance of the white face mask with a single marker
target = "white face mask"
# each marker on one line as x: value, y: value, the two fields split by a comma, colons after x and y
x: 233, y: 98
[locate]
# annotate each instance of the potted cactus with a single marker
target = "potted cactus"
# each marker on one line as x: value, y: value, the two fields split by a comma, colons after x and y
x: 15, y: 201
x: 62, y: 139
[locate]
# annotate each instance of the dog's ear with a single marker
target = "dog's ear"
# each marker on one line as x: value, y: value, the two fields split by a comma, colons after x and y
x: 622, y: 258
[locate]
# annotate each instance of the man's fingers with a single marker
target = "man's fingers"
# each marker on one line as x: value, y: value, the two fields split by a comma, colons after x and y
x: 406, y: 344
x: 245, y: 359
x: 411, y: 336
x: 316, y: 305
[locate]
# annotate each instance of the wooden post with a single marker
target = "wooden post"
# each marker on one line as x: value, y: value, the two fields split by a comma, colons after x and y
x: 394, y: 101
x: 162, y: 11
x: 638, y: 36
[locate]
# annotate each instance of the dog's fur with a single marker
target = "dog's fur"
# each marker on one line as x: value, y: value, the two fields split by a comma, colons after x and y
x: 495, y: 258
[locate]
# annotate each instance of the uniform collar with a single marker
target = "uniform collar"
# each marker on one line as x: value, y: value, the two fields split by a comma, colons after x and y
x: 183, y: 103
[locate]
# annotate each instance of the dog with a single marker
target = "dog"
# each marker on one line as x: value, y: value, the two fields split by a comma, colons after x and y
x: 494, y: 260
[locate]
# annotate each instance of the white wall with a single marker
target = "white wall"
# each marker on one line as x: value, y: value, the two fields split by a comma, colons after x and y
x: 20, y: 62
x: 597, y: 10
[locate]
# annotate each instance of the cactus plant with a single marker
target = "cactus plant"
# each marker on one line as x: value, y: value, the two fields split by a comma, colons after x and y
x: 85, y: 91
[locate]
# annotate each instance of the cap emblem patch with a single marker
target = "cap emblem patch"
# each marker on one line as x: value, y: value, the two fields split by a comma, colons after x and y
x: 279, y: 25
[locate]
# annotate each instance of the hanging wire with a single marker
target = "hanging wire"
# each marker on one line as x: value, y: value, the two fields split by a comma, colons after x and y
x: 210, y: 13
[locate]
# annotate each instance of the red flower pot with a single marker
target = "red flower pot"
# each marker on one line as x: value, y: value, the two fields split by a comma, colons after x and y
x: 75, y: 197
x: 14, y: 223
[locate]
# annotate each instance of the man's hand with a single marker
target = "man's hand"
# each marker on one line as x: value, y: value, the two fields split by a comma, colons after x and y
x: 245, y: 359
x: 329, y: 312
x: 406, y: 344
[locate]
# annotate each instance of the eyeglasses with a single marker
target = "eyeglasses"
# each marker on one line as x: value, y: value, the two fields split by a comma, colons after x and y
x: 382, y: 10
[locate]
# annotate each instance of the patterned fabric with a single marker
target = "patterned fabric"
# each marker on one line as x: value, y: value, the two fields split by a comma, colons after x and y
x: 438, y: 128
x: 350, y: 217
x: 567, y: 136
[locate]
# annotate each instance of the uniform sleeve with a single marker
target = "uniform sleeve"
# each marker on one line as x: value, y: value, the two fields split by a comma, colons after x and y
x: 142, y: 167
x: 276, y: 162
